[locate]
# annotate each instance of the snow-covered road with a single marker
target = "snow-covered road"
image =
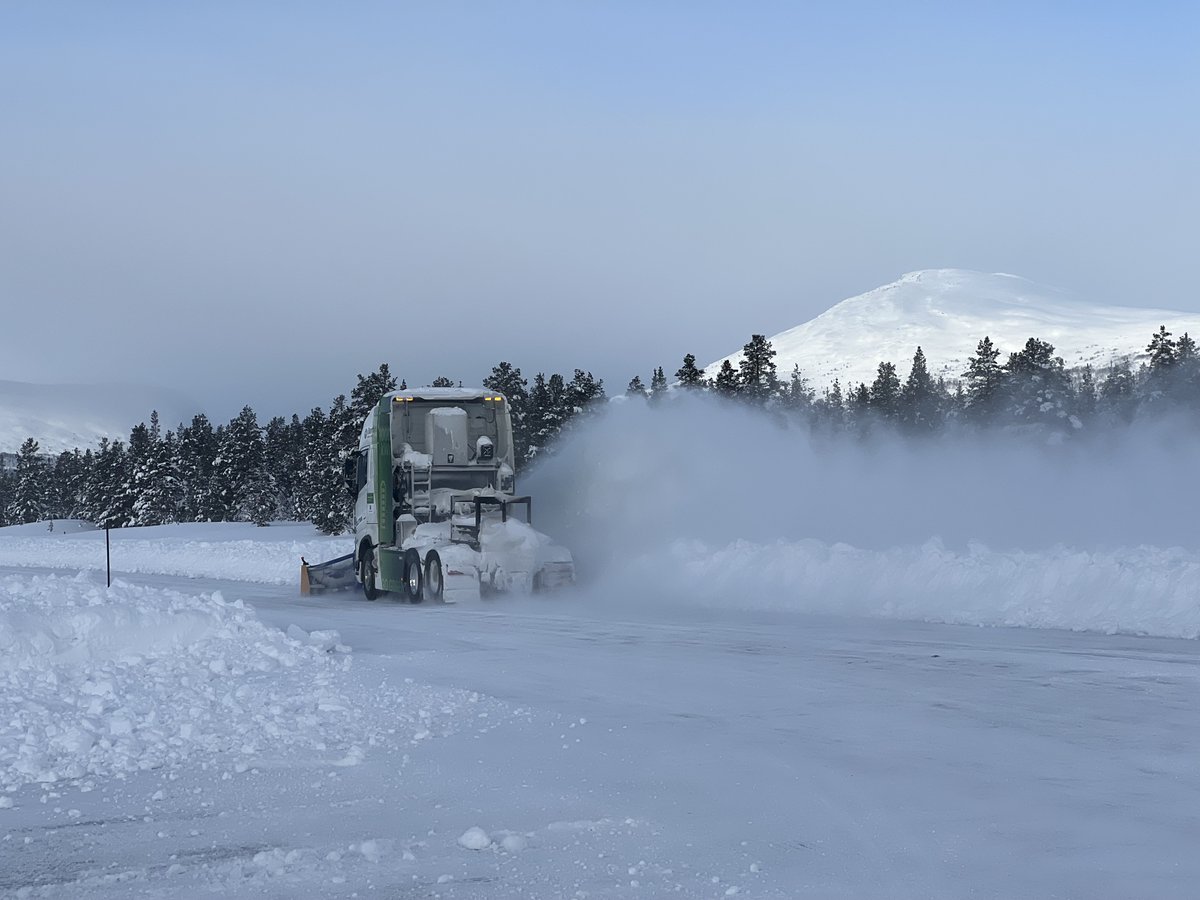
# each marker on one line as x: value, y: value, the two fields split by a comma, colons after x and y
x: 613, y: 749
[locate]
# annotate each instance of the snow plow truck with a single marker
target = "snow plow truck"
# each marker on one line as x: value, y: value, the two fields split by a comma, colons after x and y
x: 436, y: 513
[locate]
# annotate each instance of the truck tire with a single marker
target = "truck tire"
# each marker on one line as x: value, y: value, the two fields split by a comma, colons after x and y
x: 435, y: 585
x: 367, y: 572
x: 414, y: 583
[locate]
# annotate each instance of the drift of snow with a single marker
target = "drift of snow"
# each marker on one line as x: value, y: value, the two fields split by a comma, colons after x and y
x: 946, y: 312
x: 1139, y: 590
x: 99, y: 681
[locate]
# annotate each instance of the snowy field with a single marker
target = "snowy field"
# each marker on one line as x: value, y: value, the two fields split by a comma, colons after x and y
x: 201, y: 730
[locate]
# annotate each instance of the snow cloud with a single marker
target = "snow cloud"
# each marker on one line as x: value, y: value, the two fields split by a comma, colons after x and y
x: 727, y: 506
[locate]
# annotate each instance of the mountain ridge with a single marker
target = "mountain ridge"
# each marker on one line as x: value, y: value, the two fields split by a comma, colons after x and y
x: 947, y: 312
x: 65, y: 416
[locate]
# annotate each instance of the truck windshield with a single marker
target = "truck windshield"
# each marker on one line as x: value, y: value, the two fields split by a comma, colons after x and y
x: 483, y: 420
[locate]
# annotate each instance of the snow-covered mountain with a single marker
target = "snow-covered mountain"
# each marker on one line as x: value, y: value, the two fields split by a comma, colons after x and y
x: 65, y: 416
x: 946, y: 312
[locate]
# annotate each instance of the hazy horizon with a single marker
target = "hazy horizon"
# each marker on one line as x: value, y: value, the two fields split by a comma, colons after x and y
x: 250, y: 203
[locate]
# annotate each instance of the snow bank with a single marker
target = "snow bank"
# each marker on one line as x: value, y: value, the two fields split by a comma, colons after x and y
x: 1140, y: 590
x: 236, y: 551
x: 98, y: 681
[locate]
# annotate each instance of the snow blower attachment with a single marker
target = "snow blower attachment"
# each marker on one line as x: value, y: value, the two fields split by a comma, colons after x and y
x: 327, y: 576
x: 436, y: 515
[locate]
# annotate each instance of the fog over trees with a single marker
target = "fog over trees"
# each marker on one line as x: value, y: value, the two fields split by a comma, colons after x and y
x: 291, y: 467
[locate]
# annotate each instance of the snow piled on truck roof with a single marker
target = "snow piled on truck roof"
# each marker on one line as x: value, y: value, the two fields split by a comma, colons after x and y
x: 451, y: 393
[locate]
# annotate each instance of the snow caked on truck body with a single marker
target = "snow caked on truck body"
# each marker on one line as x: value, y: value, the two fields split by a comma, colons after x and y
x: 436, y: 514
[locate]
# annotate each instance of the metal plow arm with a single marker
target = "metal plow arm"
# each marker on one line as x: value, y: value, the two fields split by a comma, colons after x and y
x: 334, y: 575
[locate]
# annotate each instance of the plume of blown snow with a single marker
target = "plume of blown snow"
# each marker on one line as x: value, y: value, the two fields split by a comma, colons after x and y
x: 709, y: 503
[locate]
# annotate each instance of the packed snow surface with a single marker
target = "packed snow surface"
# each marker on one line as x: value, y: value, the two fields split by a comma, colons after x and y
x: 946, y: 312
x: 238, y: 551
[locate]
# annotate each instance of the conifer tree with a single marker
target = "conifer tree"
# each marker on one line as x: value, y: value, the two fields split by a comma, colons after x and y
x: 636, y: 388
x: 195, y: 461
x: 658, y: 385
x: 1085, y: 393
x: 507, y: 379
x: 30, y: 496
x: 726, y: 383
x: 1117, y: 401
x: 690, y: 377
x: 985, y: 378
x: 885, y: 393
x: 548, y: 413
x: 369, y: 391
x: 1037, y: 390
x: 239, y: 457
x: 152, y: 486
x: 797, y: 396
x: 830, y: 408
x: 442, y: 382
x: 757, y: 381
x: 8, y: 487
x: 920, y: 411
x: 1162, y: 349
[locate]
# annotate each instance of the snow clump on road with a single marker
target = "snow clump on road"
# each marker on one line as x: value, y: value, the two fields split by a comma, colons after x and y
x: 99, y: 681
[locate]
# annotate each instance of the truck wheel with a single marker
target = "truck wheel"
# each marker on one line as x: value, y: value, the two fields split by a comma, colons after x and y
x: 413, y: 582
x: 367, y: 571
x: 434, y: 585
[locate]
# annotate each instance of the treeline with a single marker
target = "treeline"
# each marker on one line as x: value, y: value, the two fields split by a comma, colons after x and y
x: 244, y: 471
x: 1029, y: 390
x: 292, y: 469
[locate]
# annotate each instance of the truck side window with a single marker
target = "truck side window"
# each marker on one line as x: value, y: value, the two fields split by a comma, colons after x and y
x: 361, y: 480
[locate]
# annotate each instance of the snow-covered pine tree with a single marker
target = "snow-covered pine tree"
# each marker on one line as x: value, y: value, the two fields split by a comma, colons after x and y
x: 108, y: 491
x: 757, y: 381
x: 690, y: 377
x: 8, y: 487
x: 332, y: 506
x: 368, y: 392
x: 261, y: 504
x: 1037, y: 389
x: 726, y: 383
x: 582, y: 397
x: 153, y: 484
x: 196, y: 454
x: 507, y: 379
x: 30, y: 496
x: 239, y: 457
x: 67, y: 484
x: 316, y: 461
x: 548, y: 413
x: 636, y: 388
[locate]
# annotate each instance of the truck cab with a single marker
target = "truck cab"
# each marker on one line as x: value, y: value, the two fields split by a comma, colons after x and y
x: 434, y: 487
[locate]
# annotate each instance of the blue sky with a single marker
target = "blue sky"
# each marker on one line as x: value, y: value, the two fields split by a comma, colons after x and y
x: 198, y: 194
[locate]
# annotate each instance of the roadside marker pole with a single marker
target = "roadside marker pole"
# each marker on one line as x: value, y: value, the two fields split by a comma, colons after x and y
x: 107, y: 556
